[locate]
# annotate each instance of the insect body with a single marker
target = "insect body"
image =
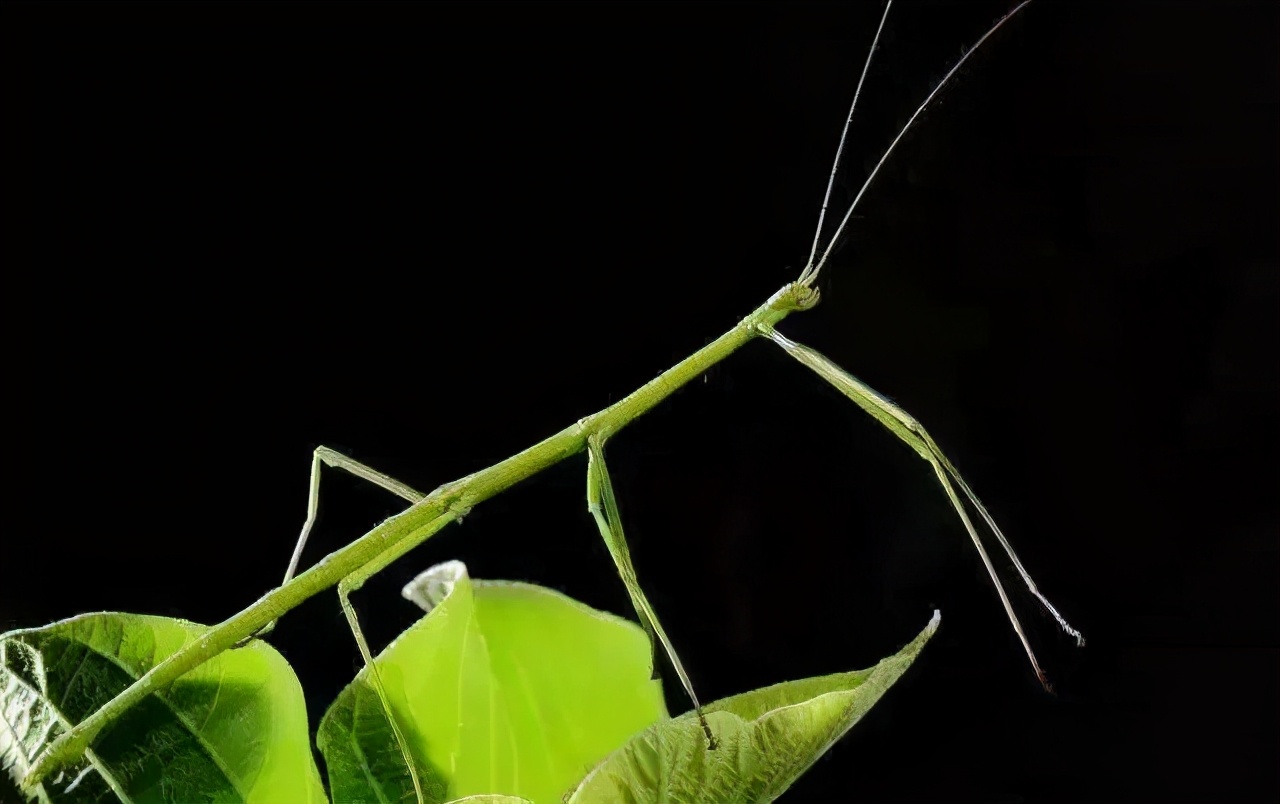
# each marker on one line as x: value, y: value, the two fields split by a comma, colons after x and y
x: 351, y: 566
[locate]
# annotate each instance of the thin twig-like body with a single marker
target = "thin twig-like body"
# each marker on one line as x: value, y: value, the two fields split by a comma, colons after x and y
x: 406, y: 530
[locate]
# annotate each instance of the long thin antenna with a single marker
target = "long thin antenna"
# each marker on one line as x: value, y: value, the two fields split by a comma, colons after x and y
x: 808, y: 276
x: 835, y: 165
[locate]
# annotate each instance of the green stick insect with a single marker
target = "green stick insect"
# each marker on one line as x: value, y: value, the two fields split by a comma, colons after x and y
x: 351, y: 566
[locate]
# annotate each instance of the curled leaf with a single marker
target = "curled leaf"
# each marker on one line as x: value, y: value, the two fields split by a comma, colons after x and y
x: 766, y: 739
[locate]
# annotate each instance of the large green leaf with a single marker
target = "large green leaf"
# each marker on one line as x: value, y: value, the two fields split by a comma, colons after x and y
x: 502, y: 688
x: 234, y: 729
x: 766, y: 739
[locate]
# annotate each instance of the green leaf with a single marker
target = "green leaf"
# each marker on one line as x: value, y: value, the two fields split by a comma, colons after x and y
x: 767, y: 738
x: 502, y: 688
x: 234, y: 729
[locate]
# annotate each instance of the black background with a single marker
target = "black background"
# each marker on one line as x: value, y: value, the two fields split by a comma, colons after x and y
x: 429, y: 236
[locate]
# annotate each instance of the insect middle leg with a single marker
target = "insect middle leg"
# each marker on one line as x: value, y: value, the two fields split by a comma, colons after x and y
x: 604, y: 508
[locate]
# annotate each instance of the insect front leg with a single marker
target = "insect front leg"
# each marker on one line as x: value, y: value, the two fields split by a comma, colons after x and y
x: 913, y: 434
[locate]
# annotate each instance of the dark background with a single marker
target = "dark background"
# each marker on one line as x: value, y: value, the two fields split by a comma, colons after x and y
x: 429, y: 236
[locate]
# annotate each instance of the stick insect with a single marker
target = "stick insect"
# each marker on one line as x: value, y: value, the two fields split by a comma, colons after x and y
x: 351, y: 566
